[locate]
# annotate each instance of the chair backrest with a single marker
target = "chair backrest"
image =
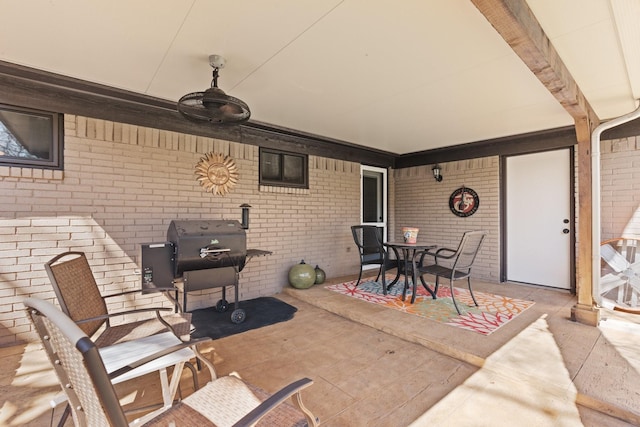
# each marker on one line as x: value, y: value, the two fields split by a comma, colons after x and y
x: 468, y: 250
x: 368, y: 238
x: 618, y: 254
x: 76, y: 289
x: 78, y: 366
x: 627, y: 247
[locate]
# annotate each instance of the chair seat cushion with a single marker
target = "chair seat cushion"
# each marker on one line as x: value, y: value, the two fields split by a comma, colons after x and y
x: 372, y: 259
x: 223, y: 402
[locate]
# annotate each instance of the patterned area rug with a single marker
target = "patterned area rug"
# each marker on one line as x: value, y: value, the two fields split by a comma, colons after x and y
x: 492, y: 312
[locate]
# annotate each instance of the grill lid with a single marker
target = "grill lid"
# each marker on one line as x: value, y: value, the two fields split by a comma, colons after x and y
x: 204, y: 244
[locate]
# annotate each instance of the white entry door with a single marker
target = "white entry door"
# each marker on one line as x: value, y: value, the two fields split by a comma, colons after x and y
x: 538, y: 219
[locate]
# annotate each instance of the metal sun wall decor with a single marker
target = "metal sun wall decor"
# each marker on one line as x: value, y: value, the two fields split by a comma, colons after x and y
x: 217, y: 173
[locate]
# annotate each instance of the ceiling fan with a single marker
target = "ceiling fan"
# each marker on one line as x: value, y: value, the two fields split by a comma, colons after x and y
x: 213, y: 105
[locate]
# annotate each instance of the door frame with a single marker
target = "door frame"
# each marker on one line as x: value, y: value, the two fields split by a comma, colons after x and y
x: 572, y: 214
x: 384, y: 179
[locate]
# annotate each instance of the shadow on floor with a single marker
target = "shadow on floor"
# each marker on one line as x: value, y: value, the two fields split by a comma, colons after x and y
x: 378, y: 367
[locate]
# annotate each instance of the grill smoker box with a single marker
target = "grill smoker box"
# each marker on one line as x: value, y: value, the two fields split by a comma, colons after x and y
x: 205, y: 244
x: 157, y: 265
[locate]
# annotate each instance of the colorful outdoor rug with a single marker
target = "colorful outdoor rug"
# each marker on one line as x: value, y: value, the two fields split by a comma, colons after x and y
x: 492, y: 312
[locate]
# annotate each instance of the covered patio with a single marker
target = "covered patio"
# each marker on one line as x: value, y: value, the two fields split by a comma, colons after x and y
x: 379, y: 367
x: 466, y: 86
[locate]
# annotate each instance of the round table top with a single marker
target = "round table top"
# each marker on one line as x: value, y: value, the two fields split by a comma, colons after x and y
x: 417, y: 245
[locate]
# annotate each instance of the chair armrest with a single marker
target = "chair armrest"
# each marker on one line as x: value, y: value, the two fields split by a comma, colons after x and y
x: 448, y: 253
x: 292, y: 390
x: 166, y: 291
x: 123, y: 313
x: 137, y: 363
x: 150, y: 290
x: 175, y: 303
x: 440, y: 253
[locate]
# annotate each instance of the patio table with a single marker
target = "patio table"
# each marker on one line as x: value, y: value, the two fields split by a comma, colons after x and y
x: 408, y: 251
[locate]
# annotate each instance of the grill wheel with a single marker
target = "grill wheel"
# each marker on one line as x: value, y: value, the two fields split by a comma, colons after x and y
x: 238, y: 316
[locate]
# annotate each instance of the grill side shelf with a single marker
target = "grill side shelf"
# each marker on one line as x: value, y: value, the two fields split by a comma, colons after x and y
x: 257, y: 252
x: 251, y: 253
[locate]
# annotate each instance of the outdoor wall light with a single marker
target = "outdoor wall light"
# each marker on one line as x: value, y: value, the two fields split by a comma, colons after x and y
x: 436, y: 173
x: 245, y: 215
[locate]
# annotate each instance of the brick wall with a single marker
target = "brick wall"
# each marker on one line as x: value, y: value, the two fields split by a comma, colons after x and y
x: 123, y: 184
x: 620, y: 188
x: 422, y: 202
x: 121, y: 187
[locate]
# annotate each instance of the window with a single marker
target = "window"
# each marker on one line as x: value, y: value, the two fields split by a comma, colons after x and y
x: 30, y: 138
x: 283, y: 169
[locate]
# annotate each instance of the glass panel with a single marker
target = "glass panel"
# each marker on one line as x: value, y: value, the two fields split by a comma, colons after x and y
x: 371, y: 198
x: 283, y: 169
x: 293, y: 169
x: 270, y: 166
x: 25, y: 136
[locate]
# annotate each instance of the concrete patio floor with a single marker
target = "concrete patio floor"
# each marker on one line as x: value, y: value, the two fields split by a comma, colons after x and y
x: 374, y: 366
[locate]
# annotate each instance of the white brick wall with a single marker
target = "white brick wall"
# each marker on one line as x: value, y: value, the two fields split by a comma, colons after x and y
x: 121, y: 187
x: 424, y: 203
x: 620, y: 188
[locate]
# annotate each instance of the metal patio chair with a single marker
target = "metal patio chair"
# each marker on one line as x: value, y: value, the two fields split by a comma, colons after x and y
x: 459, y: 261
x: 80, y: 299
x: 619, y: 286
x: 224, y: 401
x: 368, y: 239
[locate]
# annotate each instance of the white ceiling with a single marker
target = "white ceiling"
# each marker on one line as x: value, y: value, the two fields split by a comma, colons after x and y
x: 400, y: 76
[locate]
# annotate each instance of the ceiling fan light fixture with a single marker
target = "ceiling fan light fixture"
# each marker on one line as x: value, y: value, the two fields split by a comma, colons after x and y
x: 213, y: 104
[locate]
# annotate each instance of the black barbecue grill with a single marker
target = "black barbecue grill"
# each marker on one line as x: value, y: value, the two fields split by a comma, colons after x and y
x: 204, y: 244
x: 203, y: 254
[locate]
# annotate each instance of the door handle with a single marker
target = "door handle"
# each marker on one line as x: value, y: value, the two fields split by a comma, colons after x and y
x: 565, y: 231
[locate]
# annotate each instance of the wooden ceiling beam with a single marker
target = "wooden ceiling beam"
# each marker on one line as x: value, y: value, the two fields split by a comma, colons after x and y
x: 516, y: 23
